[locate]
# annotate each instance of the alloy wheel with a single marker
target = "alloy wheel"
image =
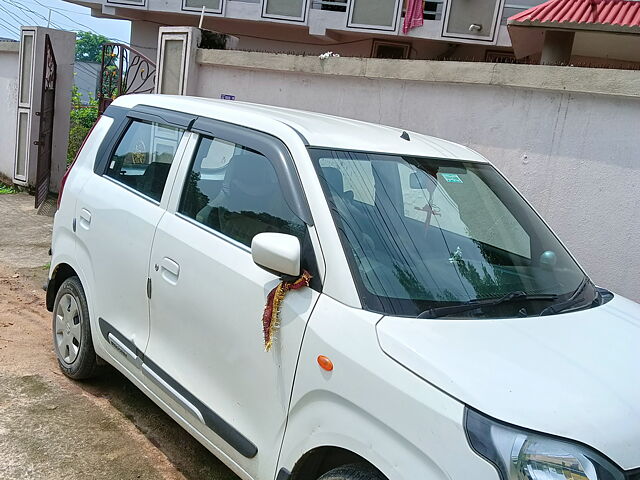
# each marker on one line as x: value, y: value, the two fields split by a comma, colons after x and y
x: 68, y: 328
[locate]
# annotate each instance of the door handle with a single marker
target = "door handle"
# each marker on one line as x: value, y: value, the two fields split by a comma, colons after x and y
x: 85, y: 218
x: 170, y: 270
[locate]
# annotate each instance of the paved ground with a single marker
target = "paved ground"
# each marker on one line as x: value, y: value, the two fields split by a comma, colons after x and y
x: 51, y: 427
x: 24, y: 236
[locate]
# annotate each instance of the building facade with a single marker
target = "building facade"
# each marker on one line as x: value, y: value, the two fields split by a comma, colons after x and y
x: 451, y: 29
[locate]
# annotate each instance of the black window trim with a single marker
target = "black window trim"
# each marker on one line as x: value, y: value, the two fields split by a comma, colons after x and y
x: 131, y: 189
x: 162, y: 116
x: 272, y: 148
x: 268, y: 145
x: 213, y: 231
x: 319, y: 282
x: 241, y: 136
x: 123, y: 119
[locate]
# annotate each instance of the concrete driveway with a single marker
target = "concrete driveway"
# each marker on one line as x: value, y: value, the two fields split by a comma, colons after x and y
x: 52, y: 427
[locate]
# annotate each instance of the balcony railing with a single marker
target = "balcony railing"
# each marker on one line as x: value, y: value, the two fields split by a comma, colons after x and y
x: 432, y: 9
x: 334, y: 5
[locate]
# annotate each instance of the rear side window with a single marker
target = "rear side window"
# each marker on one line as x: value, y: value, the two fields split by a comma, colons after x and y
x: 235, y: 191
x: 143, y: 157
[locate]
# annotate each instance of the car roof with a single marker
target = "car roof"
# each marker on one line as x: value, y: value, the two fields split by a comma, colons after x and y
x: 317, y: 129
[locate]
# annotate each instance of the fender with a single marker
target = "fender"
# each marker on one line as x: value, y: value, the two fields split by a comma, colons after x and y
x: 351, y: 428
x: 61, y: 259
x: 372, y: 406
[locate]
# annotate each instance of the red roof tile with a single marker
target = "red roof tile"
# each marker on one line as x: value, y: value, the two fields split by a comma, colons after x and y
x: 605, y: 12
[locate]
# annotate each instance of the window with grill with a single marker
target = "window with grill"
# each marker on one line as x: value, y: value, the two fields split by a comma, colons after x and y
x: 294, y: 10
x: 210, y: 6
x: 374, y: 14
x: 332, y: 5
x: 138, y: 3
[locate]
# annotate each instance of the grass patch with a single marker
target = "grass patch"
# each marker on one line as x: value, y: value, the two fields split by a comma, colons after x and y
x: 6, y: 189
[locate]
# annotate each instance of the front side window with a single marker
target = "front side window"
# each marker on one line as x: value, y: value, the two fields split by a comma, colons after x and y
x: 143, y: 157
x: 235, y: 191
x: 423, y: 235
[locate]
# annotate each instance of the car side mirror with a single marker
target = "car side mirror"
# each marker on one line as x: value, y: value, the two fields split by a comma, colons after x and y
x: 277, y: 253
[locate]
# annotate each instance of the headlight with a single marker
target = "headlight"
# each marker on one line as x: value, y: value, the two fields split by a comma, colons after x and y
x: 521, y: 455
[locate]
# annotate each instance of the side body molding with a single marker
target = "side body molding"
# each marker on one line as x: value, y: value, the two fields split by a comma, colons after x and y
x: 176, y: 391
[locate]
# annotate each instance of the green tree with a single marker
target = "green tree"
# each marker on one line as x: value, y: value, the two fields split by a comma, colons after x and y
x: 82, y: 119
x: 89, y: 47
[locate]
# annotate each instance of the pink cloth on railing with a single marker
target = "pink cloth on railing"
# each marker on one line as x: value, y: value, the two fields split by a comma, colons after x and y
x: 414, y: 16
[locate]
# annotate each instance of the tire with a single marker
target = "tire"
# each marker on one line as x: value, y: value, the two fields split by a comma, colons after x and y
x: 353, y: 472
x: 71, y: 331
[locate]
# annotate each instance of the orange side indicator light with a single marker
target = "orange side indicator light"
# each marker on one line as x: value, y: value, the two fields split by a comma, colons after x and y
x: 325, y: 363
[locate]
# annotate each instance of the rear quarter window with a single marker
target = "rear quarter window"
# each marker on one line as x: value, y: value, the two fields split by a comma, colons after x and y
x: 143, y: 157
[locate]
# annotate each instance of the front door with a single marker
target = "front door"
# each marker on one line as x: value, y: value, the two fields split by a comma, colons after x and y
x: 206, y: 343
x: 117, y: 214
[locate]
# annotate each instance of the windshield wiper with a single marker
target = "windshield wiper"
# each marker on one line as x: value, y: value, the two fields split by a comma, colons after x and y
x: 519, y: 295
x: 570, y: 303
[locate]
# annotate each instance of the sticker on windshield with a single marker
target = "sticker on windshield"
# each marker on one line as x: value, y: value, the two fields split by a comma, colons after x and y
x: 451, y: 178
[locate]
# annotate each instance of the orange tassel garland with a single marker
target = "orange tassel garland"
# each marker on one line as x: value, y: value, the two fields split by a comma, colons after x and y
x: 271, y: 315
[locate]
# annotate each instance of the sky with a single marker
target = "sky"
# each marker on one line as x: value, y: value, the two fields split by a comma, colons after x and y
x: 64, y: 16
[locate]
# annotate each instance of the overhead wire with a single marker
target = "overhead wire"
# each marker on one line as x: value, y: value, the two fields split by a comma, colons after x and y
x: 63, y: 9
x: 28, y: 14
x: 85, y: 27
x: 22, y: 18
x: 13, y: 15
x: 9, y: 28
x: 86, y: 70
x: 69, y: 18
x: 76, y: 26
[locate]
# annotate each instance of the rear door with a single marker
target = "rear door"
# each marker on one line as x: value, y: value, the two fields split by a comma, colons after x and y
x: 206, y: 348
x: 117, y: 214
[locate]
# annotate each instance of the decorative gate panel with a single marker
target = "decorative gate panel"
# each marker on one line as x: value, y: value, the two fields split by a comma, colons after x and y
x: 124, y: 70
x: 45, y: 137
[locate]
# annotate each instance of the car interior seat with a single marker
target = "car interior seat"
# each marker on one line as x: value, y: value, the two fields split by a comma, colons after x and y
x: 250, y: 201
x: 152, y: 181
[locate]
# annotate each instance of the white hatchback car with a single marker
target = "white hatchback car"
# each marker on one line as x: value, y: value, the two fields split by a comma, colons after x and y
x: 440, y: 331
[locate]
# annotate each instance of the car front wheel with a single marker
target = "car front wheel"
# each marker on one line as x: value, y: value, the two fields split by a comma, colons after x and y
x: 353, y: 472
x: 72, y: 331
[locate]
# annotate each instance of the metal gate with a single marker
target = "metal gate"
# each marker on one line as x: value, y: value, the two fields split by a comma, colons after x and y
x: 124, y: 70
x: 45, y: 137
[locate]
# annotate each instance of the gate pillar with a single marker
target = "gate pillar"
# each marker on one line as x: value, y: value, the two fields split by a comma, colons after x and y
x: 177, y: 67
x: 32, y: 88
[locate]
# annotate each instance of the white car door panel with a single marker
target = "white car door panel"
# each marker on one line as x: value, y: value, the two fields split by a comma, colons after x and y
x: 206, y: 335
x: 117, y: 216
x: 208, y: 296
x: 118, y: 242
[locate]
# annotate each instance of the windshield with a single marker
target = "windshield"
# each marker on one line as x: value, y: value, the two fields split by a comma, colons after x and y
x: 421, y: 234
